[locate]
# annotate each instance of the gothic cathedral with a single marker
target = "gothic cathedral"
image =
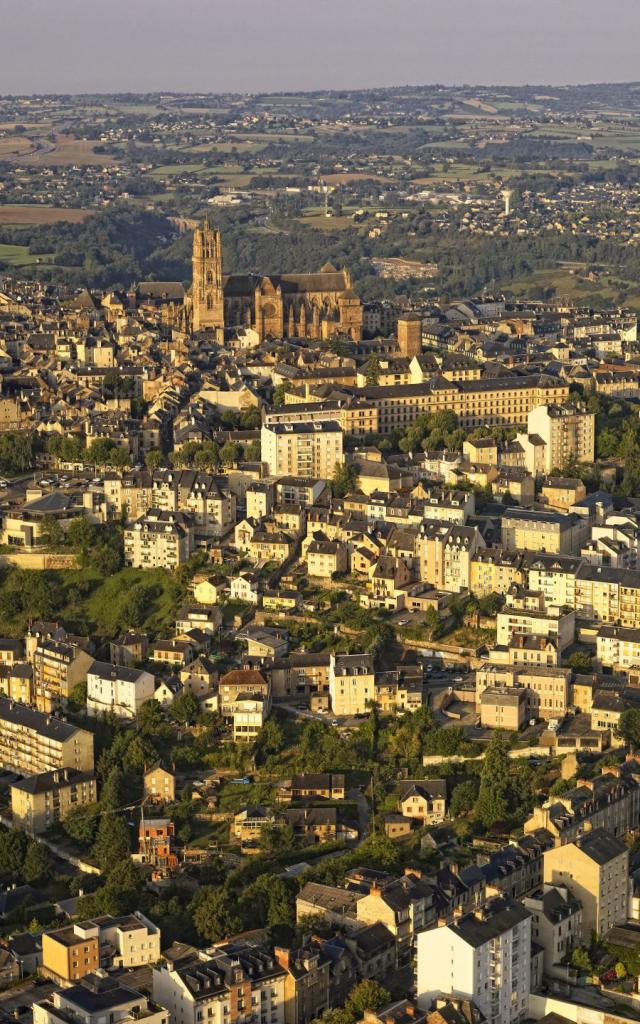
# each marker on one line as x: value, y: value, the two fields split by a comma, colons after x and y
x: 318, y: 306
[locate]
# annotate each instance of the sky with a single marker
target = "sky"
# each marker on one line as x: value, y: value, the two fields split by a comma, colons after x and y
x: 268, y: 45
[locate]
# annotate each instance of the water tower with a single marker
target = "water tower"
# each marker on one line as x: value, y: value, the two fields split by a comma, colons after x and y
x: 506, y: 195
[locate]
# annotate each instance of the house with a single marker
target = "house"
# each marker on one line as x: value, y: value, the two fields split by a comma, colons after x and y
x: 159, y: 784
x: 313, y: 786
x: 424, y: 800
x: 264, y: 641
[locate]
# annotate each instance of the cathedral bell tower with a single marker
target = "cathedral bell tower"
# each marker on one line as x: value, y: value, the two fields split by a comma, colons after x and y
x: 207, y: 294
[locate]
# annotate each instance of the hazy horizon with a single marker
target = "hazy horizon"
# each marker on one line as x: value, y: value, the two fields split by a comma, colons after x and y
x: 75, y: 46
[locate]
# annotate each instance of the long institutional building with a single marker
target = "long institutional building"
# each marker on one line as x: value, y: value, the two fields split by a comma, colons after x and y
x: 385, y: 409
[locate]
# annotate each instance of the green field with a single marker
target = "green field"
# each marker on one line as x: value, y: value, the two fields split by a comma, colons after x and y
x: 170, y: 170
x: 19, y: 256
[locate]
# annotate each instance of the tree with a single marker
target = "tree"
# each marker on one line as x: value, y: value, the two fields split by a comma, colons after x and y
x: 38, y: 863
x: 366, y: 995
x: 78, y: 698
x: 99, y: 450
x: 432, y: 620
x: 119, y: 458
x: 271, y: 737
x: 230, y: 453
x: 629, y: 727
x: 81, y: 534
x: 13, y: 848
x: 493, y: 797
x: 372, y: 371
x: 580, y: 661
x: 153, y: 459
x: 253, y: 452
x: 463, y: 798
x: 112, y: 842
x: 81, y: 823
x: 214, y: 913
x: 581, y: 960
x: 251, y: 418
x: 184, y: 708
x: 345, y: 479
x: 52, y: 532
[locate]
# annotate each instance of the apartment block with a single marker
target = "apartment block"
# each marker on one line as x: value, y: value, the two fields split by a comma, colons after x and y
x: 33, y: 742
x: 159, y: 540
x: 610, y: 801
x: 484, y: 957
x: 595, y: 870
x: 568, y: 433
x: 57, y: 668
x: 556, y: 922
x: 302, y: 448
x: 493, y: 402
x: 39, y: 801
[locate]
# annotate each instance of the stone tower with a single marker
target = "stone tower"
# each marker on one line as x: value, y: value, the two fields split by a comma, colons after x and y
x: 207, y: 293
x: 409, y: 333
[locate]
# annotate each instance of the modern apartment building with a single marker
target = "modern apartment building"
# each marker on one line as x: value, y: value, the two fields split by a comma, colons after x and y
x: 38, y: 801
x: 484, y: 957
x: 159, y: 540
x: 33, y: 742
x: 57, y: 668
x: 302, y: 448
x: 595, y: 870
x: 568, y: 433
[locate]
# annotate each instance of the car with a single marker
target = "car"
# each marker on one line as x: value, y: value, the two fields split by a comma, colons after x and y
x: 334, y: 721
x: 458, y: 679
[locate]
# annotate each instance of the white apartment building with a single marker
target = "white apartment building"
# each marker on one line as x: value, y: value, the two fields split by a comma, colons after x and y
x: 114, y: 688
x: 159, y: 540
x: 302, y: 449
x: 618, y: 647
x: 568, y: 432
x: 484, y: 956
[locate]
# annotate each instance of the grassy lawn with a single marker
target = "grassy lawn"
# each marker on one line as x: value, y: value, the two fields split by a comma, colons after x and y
x: 19, y: 256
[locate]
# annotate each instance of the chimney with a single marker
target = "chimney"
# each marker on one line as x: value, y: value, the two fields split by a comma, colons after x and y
x: 585, y: 782
x: 417, y: 872
x: 375, y: 890
x: 410, y: 1010
x: 457, y: 912
x: 587, y: 826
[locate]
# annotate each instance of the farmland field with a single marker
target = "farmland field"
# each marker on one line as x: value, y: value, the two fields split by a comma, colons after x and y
x: 65, y: 152
x: 14, y: 213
